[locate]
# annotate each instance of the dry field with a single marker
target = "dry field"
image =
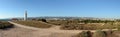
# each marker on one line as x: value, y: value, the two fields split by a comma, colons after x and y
x: 34, y: 24
x: 27, y: 29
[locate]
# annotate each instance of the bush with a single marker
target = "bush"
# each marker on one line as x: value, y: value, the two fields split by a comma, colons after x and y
x: 43, y: 20
x: 90, y: 27
x: 118, y: 27
x: 109, y: 33
x: 1, y: 26
x: 84, y: 34
x: 4, y: 25
x: 71, y: 27
x: 80, y: 27
x: 99, y: 33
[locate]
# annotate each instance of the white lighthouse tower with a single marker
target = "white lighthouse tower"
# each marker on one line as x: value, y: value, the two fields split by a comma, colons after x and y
x: 25, y: 16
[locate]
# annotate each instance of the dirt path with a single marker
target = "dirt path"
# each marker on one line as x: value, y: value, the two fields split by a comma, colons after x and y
x: 24, y: 31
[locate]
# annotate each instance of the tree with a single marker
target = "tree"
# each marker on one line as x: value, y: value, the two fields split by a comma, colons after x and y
x: 43, y: 20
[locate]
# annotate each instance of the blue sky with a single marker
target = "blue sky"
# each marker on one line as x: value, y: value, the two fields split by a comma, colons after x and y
x: 80, y: 8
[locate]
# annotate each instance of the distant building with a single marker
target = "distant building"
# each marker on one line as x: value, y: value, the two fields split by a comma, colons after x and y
x: 25, y: 16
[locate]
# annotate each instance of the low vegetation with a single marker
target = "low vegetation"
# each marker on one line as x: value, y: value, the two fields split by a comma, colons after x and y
x: 84, y: 24
x: 40, y: 19
x: 118, y: 27
x: 87, y: 27
x: 84, y: 34
x: 75, y: 21
x: 34, y: 24
x: 75, y: 24
x: 109, y: 33
x: 98, y: 33
x: 4, y: 25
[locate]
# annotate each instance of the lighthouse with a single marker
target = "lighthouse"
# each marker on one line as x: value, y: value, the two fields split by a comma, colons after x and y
x: 25, y: 16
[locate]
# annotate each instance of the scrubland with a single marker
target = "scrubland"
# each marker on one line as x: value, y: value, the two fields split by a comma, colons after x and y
x: 97, y: 25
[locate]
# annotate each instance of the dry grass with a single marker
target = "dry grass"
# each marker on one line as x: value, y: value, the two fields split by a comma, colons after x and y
x: 75, y: 25
x: 98, y: 33
x: 87, y: 27
x: 62, y: 22
x: 33, y: 24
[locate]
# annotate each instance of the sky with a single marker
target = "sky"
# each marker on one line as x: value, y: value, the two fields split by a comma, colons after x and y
x: 74, y: 8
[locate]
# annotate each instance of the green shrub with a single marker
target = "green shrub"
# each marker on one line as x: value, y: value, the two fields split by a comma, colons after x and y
x: 84, y: 34
x: 4, y: 25
x: 1, y: 26
x: 118, y: 27
x: 43, y: 20
x: 99, y: 33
